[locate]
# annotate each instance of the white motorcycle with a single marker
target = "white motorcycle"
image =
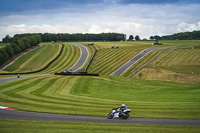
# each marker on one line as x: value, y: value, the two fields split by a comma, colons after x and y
x: 116, y: 113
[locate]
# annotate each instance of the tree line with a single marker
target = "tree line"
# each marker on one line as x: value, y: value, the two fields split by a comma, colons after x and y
x: 131, y: 38
x: 195, y: 35
x: 65, y: 37
x: 18, y: 44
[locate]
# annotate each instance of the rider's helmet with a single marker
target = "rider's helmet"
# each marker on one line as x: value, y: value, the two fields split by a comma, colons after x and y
x: 123, y: 105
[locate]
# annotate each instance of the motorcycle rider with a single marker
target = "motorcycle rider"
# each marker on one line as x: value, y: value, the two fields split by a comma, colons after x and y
x: 122, y: 108
x: 120, y: 111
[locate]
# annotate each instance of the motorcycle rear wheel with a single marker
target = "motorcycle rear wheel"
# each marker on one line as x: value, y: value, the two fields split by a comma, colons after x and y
x: 110, y: 115
x: 125, y: 115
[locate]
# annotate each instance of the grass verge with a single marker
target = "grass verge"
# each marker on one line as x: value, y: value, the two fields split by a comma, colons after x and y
x: 24, y: 126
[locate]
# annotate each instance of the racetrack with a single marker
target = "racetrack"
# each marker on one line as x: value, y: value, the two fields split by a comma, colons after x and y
x: 131, y: 62
x: 136, y: 58
x: 15, y: 78
x: 21, y: 115
x: 83, y: 58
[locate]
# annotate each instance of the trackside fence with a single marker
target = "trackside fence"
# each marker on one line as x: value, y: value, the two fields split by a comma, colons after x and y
x: 91, y: 60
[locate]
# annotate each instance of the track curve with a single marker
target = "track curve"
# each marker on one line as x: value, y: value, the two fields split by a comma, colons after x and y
x: 21, y: 115
x: 82, y: 60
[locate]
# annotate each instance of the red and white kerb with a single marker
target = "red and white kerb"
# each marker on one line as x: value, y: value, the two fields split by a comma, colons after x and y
x: 8, y: 108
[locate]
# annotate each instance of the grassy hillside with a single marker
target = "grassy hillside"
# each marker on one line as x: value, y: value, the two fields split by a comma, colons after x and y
x: 67, y: 59
x: 180, y: 65
x: 35, y: 59
x: 40, y: 57
x: 96, y: 96
x: 108, y: 60
x: 186, y: 61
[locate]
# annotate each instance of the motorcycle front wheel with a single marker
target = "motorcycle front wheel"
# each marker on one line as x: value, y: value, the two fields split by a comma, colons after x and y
x: 110, y: 115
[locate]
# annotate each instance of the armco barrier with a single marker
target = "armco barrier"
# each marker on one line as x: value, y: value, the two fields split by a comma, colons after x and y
x: 76, y: 74
x: 91, y: 60
x: 39, y: 69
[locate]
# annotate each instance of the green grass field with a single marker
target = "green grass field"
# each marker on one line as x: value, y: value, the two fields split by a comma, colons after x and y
x: 67, y: 59
x: 24, y: 126
x: 186, y: 61
x: 108, y: 60
x: 158, y: 91
x: 4, y: 44
x: 40, y: 57
x: 96, y: 96
x: 180, y: 65
x: 105, y: 62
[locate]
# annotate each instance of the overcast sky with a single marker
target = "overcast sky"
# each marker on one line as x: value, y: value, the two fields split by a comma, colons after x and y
x: 131, y: 17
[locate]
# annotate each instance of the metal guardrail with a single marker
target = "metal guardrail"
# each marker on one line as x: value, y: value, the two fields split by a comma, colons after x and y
x: 175, y: 47
x: 91, y: 60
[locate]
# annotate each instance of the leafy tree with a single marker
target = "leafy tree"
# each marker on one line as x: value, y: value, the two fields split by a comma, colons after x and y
x: 24, y: 43
x: 1, y: 58
x: 151, y: 37
x: 4, y: 54
x: 7, y: 39
x: 157, y: 37
x: 15, y: 39
x: 38, y: 39
x: 33, y: 40
x: 9, y: 50
x: 119, y: 38
x: 130, y: 38
x: 137, y: 38
x: 16, y: 48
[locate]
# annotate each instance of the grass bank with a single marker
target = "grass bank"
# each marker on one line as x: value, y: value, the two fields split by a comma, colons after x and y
x: 96, y: 96
x: 179, y: 65
x: 19, y: 126
x: 35, y: 59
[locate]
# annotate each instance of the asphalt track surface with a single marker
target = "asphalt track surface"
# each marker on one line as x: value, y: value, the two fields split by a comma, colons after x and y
x: 132, y: 61
x: 21, y: 115
x: 82, y: 60
x: 16, y: 78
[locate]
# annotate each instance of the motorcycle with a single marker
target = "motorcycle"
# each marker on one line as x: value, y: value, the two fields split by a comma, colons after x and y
x: 116, y: 113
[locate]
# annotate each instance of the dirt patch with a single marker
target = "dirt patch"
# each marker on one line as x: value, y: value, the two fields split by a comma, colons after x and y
x: 183, y: 78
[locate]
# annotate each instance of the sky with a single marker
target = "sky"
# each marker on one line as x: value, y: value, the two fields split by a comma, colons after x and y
x: 131, y: 17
